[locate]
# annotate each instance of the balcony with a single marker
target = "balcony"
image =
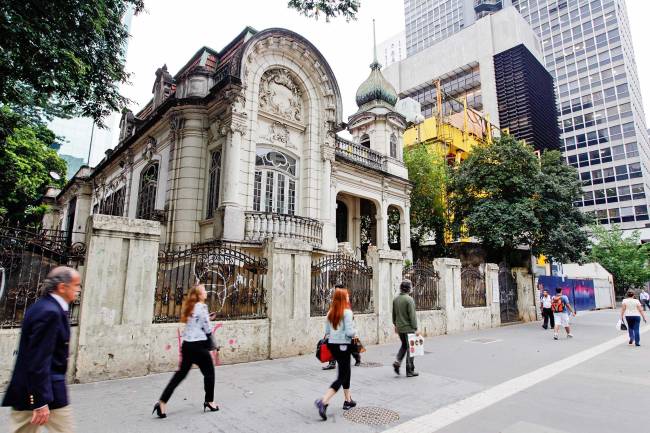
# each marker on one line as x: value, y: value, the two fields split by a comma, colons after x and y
x: 260, y: 226
x: 361, y: 155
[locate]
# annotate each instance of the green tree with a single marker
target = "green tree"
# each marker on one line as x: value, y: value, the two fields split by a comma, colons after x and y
x: 63, y: 57
x: 623, y: 256
x: 506, y: 197
x: 328, y: 8
x: 429, y: 173
x: 26, y: 161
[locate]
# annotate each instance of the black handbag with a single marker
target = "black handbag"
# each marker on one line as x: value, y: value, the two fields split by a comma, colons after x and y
x: 210, y: 343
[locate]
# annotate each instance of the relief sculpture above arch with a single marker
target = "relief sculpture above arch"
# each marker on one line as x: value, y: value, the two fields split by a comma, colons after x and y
x: 281, y: 95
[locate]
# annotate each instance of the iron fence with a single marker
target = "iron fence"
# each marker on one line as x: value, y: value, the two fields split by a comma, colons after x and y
x: 26, y: 257
x: 354, y: 274
x: 472, y: 286
x: 426, y: 285
x: 233, y: 279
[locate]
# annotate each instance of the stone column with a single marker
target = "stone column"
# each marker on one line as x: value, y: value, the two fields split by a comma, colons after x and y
x: 327, y: 203
x: 117, y: 299
x: 405, y: 232
x: 382, y: 227
x: 230, y: 222
x: 525, y: 295
x: 187, y: 202
x: 450, y: 296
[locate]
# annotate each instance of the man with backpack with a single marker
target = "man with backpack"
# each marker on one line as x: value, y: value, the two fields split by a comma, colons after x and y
x: 561, y: 307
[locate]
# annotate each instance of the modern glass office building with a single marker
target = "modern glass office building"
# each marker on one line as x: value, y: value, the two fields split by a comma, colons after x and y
x: 587, y: 48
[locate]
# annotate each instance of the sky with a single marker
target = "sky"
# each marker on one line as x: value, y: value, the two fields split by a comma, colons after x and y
x: 171, y: 32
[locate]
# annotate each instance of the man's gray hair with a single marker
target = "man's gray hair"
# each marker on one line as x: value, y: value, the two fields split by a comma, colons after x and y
x: 58, y: 275
x: 406, y: 286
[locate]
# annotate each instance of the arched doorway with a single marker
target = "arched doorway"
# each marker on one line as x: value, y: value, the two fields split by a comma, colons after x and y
x: 394, y: 228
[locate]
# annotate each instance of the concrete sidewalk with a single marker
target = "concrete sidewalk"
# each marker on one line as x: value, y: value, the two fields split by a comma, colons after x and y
x: 278, y: 395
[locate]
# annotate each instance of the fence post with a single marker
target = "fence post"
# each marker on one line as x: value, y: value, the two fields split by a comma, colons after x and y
x: 450, y: 296
x: 387, y: 268
x: 117, y: 301
x: 288, y: 288
x: 492, y: 285
x: 525, y: 295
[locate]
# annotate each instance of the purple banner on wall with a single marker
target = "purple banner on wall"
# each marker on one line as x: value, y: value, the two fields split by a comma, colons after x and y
x: 581, y: 293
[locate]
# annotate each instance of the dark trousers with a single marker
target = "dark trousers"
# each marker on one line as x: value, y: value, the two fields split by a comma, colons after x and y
x: 344, y: 372
x: 547, y: 314
x: 404, y: 350
x: 633, y: 323
x: 193, y: 352
x: 645, y: 303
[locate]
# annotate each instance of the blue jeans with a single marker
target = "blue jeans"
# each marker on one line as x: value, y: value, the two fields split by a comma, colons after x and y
x: 633, y: 323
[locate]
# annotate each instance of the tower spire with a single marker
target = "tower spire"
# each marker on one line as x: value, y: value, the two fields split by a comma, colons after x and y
x: 374, y: 43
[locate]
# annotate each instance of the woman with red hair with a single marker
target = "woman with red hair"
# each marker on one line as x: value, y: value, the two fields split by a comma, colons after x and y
x: 339, y: 330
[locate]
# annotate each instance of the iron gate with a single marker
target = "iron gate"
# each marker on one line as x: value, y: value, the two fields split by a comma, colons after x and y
x: 26, y: 257
x: 472, y: 287
x: 354, y: 274
x: 233, y: 280
x: 507, y: 294
x: 425, y: 280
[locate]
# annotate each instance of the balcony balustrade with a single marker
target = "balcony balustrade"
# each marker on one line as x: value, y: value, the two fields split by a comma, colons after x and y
x: 260, y: 226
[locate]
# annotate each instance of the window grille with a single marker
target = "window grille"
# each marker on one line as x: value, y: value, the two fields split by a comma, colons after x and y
x: 214, y: 179
x: 147, y: 192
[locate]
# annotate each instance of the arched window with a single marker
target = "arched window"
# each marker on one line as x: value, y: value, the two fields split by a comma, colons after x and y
x: 394, y: 228
x: 393, y: 146
x: 365, y: 140
x: 214, y: 179
x: 147, y: 192
x: 275, y: 188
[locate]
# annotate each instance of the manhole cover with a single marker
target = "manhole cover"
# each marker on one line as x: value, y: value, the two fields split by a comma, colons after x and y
x: 371, y: 415
x: 371, y: 364
x: 482, y: 340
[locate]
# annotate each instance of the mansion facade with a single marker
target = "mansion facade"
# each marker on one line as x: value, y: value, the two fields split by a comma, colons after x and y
x: 242, y: 145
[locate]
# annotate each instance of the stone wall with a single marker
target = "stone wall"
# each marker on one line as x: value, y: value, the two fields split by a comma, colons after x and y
x: 116, y: 337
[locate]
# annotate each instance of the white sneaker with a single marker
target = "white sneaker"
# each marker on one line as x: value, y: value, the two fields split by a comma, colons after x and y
x: 569, y: 336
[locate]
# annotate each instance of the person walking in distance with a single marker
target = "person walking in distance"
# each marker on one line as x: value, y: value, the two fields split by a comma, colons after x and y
x: 37, y: 391
x: 339, y: 330
x: 195, y: 349
x: 405, y: 322
x: 547, y: 312
x: 632, y: 313
x: 645, y: 299
x: 561, y: 307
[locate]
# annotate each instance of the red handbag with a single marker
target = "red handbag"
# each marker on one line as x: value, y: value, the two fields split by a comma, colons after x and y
x: 323, y: 352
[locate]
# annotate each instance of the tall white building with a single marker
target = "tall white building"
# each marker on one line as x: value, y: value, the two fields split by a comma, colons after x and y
x: 587, y: 48
x: 392, y: 50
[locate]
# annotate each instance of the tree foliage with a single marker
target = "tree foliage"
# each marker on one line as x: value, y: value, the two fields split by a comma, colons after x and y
x: 63, y: 57
x: 506, y: 197
x: 623, y: 256
x: 429, y: 173
x: 26, y: 161
x: 329, y: 8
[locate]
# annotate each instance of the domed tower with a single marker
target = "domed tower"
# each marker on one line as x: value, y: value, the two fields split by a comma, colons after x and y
x: 377, y: 125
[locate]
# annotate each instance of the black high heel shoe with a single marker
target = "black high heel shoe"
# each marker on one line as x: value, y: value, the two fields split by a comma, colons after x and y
x: 158, y: 411
x: 206, y: 405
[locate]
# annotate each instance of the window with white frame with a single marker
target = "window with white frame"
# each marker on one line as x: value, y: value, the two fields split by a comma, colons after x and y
x: 274, y: 188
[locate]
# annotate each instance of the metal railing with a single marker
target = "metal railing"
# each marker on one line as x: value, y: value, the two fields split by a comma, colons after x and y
x: 426, y: 285
x: 233, y: 279
x: 472, y: 287
x: 26, y: 257
x: 360, y: 155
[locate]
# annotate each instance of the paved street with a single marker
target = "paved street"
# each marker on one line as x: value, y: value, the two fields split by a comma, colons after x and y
x: 278, y: 395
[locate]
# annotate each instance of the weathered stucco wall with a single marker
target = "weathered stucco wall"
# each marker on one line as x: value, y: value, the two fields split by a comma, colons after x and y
x: 116, y: 337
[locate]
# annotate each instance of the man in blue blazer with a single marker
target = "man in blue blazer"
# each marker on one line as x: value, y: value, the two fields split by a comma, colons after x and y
x: 37, y: 391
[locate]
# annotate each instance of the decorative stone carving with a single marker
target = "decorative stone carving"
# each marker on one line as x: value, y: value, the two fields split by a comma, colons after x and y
x: 279, y: 133
x: 127, y: 125
x: 149, y: 148
x: 176, y: 123
x: 281, y: 95
x: 163, y: 86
